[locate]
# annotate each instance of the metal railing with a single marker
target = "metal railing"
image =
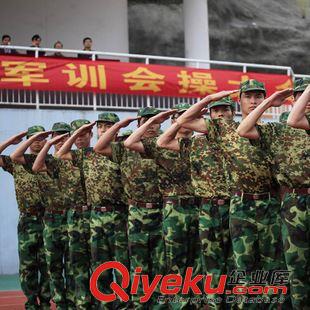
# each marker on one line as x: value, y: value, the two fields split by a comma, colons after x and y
x: 95, y: 101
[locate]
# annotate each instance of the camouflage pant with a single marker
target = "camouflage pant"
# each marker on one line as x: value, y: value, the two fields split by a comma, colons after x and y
x: 255, y: 233
x: 215, y: 242
x: 180, y: 230
x: 295, y: 234
x: 146, y: 248
x: 32, y: 265
x: 79, y: 253
x: 109, y: 242
x: 55, y: 238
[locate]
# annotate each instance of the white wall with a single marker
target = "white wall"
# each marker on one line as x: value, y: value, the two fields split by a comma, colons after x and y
x: 69, y: 21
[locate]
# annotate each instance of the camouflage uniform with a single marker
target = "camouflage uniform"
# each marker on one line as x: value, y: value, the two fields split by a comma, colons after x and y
x: 55, y: 231
x: 78, y: 273
x: 211, y: 184
x: 180, y: 211
x: 254, y: 208
x: 146, y: 247
x: 78, y: 217
x: 33, y: 273
x: 108, y: 219
x: 289, y: 149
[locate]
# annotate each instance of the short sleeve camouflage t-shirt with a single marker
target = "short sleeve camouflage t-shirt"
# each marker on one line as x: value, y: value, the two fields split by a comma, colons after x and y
x: 27, y: 186
x: 139, y: 174
x: 69, y: 180
x: 102, y: 177
x: 174, y: 176
x: 290, y: 153
x: 207, y: 165
x: 248, y: 165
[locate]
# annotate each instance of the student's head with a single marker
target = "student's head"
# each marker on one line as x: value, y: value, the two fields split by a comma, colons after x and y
x: 58, y: 45
x: 299, y: 87
x: 224, y: 108
x: 58, y: 129
x: 83, y: 140
x: 6, y: 39
x: 105, y: 121
x: 181, y: 107
x: 87, y: 42
x: 38, y: 144
x: 145, y: 114
x: 252, y: 94
x: 36, y: 40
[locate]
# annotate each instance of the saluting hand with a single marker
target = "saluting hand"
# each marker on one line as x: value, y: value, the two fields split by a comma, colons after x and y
x: 222, y: 94
x: 278, y: 98
x: 125, y: 122
x: 41, y: 135
x: 17, y: 138
x: 58, y: 138
x: 163, y: 116
x: 84, y: 129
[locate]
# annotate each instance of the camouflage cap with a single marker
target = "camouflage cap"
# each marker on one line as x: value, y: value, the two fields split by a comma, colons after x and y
x: 301, y: 84
x: 126, y: 133
x: 182, y: 107
x: 61, y: 127
x: 108, y: 117
x: 148, y: 112
x: 76, y: 124
x: 252, y: 85
x: 34, y: 129
x: 227, y: 101
x: 283, y: 117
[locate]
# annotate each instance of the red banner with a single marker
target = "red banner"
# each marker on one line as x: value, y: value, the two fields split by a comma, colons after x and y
x: 69, y: 74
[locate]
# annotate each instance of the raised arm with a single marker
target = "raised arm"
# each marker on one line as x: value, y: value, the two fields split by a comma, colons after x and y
x: 191, y: 119
x: 247, y: 127
x: 297, y: 117
x: 103, y: 145
x: 39, y: 164
x: 18, y: 154
x: 168, y: 139
x: 12, y: 140
x: 133, y: 142
x: 65, y: 151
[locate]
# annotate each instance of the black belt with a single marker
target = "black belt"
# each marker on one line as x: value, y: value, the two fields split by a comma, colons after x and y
x: 215, y: 201
x: 182, y: 201
x: 259, y: 196
x: 81, y: 208
x: 146, y: 205
x: 298, y: 191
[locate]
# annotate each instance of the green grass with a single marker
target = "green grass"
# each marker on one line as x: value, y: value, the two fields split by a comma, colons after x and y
x: 9, y: 282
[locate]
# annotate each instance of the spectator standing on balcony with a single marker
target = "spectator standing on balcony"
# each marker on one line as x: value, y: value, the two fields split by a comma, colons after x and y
x: 6, y: 40
x: 58, y: 45
x: 87, y: 43
x: 35, y: 42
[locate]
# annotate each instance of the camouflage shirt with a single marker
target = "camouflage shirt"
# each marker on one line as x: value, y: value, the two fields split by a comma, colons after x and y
x: 174, y: 178
x: 139, y: 174
x: 102, y: 177
x: 209, y: 177
x: 27, y: 185
x: 290, y: 153
x: 248, y: 165
x: 51, y: 187
x: 70, y: 180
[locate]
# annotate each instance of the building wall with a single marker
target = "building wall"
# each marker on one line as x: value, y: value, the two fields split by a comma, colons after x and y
x: 68, y: 21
